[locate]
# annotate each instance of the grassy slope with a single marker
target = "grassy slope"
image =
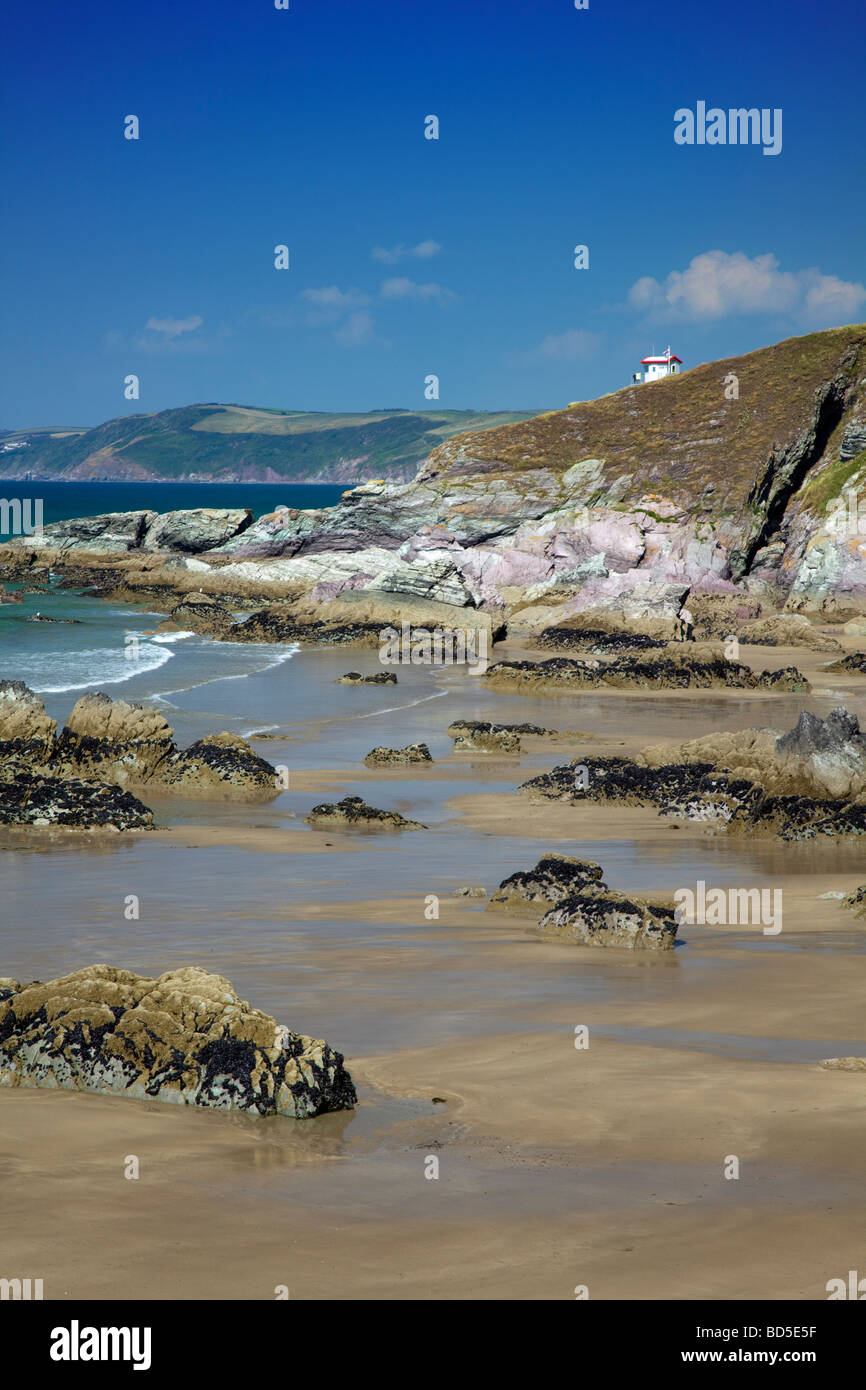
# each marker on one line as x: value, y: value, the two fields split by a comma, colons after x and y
x: 680, y: 434
x: 216, y: 441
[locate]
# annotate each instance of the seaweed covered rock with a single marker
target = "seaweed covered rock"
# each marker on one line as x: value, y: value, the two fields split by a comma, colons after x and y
x: 852, y: 664
x: 354, y: 813
x: 734, y: 782
x: 204, y: 614
x: 69, y: 803
x: 185, y: 1037
x: 219, y: 765
x: 355, y: 678
x: 611, y: 919
x: 480, y: 736
x: 598, y: 641
x: 678, y: 666
x: 398, y: 757
x: 125, y: 745
x: 555, y: 878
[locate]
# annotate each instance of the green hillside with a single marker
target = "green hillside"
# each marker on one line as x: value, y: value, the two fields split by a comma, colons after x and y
x: 234, y: 443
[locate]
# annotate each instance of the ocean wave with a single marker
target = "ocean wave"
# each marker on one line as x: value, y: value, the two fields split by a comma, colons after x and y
x: 172, y: 637
x: 52, y: 673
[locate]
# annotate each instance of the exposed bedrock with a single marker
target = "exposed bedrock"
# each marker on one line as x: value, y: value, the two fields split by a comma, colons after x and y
x: 185, y: 1038
x: 413, y: 753
x: 354, y: 813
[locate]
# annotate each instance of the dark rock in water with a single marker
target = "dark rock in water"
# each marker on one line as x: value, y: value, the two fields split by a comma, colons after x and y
x: 597, y: 640
x: 813, y: 735
x: 611, y: 919
x: 185, y: 1037
x: 555, y: 878
x: 854, y: 662
x: 480, y: 736
x: 398, y: 757
x: 484, y: 736
x: 41, y: 618
x: 70, y: 804
x: 857, y: 900
x: 354, y: 812
x: 355, y: 678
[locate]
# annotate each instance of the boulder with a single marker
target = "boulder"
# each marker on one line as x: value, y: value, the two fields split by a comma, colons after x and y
x: 611, y: 919
x: 555, y: 878
x: 203, y: 614
x: 112, y: 531
x: 398, y: 757
x: 219, y: 765
x: 354, y: 813
x: 185, y: 1038
x: 196, y: 529
x: 480, y: 736
x: 355, y: 678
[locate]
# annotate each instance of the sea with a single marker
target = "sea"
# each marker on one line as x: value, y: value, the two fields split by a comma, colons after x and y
x: 94, y: 645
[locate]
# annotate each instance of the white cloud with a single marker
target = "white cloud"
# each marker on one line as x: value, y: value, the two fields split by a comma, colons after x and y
x: 401, y: 287
x: 423, y: 251
x: 565, y: 347
x: 718, y: 283
x: 330, y: 303
x: 357, y: 330
x: 172, y: 328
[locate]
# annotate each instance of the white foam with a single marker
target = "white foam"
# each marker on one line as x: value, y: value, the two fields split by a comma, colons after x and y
x: 172, y: 636
x: 52, y: 673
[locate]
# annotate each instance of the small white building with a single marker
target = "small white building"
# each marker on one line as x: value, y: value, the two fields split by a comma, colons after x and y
x: 656, y: 367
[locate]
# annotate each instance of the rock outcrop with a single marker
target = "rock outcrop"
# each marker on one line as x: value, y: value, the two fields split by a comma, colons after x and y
x: 398, y: 757
x: 555, y: 878
x: 611, y: 919
x: 678, y: 666
x: 354, y: 813
x: 581, y: 908
x: 124, y: 744
x: 482, y: 736
x: 185, y: 1038
x: 805, y: 785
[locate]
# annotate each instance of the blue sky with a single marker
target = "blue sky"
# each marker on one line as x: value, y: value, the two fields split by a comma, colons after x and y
x: 409, y: 256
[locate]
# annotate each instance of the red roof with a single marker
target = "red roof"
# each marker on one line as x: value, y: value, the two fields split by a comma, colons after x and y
x: 647, y: 360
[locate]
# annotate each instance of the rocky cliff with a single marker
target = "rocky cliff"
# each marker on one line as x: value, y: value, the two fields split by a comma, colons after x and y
x: 742, y: 481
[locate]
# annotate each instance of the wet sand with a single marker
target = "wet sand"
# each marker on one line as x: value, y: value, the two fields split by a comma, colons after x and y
x: 558, y: 1166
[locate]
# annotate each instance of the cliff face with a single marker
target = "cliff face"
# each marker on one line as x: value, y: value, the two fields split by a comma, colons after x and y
x: 733, y: 476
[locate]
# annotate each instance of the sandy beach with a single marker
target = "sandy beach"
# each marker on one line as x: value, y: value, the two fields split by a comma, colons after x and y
x: 559, y: 1165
